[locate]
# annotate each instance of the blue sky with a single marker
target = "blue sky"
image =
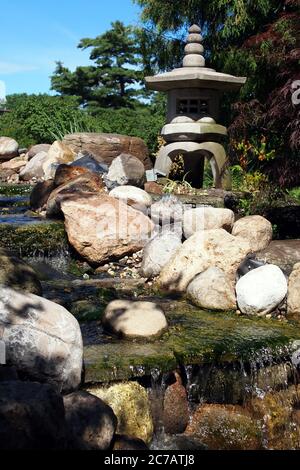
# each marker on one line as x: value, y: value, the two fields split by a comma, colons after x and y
x: 34, y: 34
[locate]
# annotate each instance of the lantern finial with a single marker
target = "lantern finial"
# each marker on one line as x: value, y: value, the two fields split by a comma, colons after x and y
x: 194, y: 49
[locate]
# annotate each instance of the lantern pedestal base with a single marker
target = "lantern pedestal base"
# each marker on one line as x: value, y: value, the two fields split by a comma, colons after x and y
x: 194, y: 155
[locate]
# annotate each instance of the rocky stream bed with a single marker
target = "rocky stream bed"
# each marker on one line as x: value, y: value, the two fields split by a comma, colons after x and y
x: 233, y: 378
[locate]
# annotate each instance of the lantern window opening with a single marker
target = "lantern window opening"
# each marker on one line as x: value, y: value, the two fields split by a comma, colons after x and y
x: 192, y: 106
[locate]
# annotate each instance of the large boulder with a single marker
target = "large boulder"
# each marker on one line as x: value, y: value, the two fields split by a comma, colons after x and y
x: 207, y: 218
x: 91, y: 423
x: 9, y: 148
x: 135, y: 197
x: 32, y: 417
x: 34, y: 168
x: 106, y: 147
x: 158, y: 252
x: 35, y: 149
x: 134, y: 319
x: 201, y: 251
x: 43, y: 340
x: 125, y: 170
x: 131, y: 405
x: 260, y: 291
x: 256, y: 229
x: 101, y: 227
x: 213, y: 290
x: 18, y: 275
x: 86, y: 183
x: 294, y: 293
x: 58, y: 154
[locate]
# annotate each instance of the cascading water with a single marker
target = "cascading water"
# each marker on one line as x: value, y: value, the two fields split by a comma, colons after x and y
x: 262, y: 387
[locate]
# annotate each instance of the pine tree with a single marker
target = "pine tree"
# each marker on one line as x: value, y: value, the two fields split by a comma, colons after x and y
x: 113, y: 79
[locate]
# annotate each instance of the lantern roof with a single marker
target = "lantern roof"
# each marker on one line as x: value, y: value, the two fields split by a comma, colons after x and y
x: 194, y: 73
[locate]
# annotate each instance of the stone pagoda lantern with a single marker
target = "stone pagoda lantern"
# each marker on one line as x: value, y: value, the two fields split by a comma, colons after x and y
x: 194, y: 94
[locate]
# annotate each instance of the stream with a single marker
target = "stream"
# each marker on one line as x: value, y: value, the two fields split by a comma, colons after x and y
x: 226, y: 362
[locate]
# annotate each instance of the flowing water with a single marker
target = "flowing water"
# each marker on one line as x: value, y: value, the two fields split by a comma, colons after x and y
x: 234, y: 369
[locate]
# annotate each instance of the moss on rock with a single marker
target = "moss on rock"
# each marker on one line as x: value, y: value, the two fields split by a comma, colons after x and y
x: 41, y: 238
x: 225, y: 427
x: 130, y: 403
x: 86, y: 310
x: 194, y: 337
x: 276, y: 410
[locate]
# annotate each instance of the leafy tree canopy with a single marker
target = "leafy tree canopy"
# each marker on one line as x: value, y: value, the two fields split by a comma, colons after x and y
x: 259, y: 39
x: 113, y: 79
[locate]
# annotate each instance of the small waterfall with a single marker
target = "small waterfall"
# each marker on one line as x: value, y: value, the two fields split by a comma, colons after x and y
x: 156, y: 395
x: 263, y: 386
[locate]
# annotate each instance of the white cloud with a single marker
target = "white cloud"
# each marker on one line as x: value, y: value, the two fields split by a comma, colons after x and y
x: 8, y: 68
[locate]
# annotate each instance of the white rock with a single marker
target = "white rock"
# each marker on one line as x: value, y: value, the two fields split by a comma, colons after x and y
x: 158, y: 253
x: 8, y: 148
x: 256, y: 229
x: 134, y: 197
x: 34, y: 168
x: 213, y: 290
x: 43, y: 340
x: 134, y: 319
x: 207, y: 218
x: 260, y: 291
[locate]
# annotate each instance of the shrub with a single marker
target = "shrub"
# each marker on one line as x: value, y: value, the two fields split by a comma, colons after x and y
x: 247, y: 181
x: 36, y: 118
x: 140, y: 122
x: 43, y: 118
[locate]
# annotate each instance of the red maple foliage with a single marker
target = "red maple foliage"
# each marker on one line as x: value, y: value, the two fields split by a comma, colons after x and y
x: 271, y: 111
